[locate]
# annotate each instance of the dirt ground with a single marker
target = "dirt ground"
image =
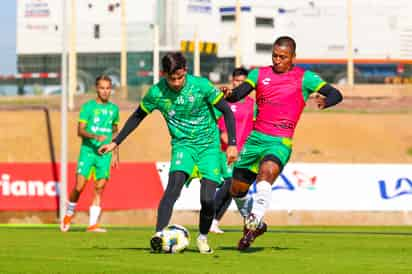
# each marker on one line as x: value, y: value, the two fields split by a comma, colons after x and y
x: 371, y: 126
x: 372, y: 129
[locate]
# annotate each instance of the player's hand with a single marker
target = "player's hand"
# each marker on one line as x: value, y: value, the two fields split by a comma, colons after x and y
x: 115, y: 159
x: 224, y: 137
x: 231, y: 154
x: 320, y: 101
x: 107, y: 148
x: 226, y: 91
x: 100, y: 138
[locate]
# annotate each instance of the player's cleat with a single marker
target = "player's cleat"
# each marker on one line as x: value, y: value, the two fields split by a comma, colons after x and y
x: 214, y: 228
x: 96, y: 228
x: 203, y: 246
x: 249, y: 235
x: 156, y: 244
x: 65, y: 223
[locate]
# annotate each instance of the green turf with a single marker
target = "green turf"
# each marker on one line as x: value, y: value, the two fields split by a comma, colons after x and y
x: 348, y: 250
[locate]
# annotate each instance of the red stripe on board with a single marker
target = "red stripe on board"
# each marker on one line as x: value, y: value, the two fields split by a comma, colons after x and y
x: 32, y: 186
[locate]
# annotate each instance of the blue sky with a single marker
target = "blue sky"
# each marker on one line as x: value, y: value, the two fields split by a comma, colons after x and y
x: 8, y: 37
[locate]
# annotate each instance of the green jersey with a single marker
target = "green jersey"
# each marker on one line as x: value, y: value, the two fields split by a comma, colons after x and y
x: 188, y: 113
x: 99, y: 120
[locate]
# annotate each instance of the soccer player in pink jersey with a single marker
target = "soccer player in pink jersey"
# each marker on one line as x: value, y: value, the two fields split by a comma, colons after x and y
x: 281, y: 92
x: 243, y: 111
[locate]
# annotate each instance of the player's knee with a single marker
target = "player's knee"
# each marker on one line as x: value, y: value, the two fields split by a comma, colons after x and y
x: 208, y: 206
x: 239, y: 189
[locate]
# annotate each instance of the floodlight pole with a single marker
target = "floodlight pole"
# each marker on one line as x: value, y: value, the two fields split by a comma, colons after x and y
x: 156, y: 52
x: 123, y: 51
x: 238, y: 53
x: 350, y: 64
x: 63, y: 111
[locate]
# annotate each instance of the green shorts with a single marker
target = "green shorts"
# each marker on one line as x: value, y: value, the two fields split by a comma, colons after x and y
x: 258, y: 145
x: 201, y: 162
x: 91, y: 163
x: 225, y: 169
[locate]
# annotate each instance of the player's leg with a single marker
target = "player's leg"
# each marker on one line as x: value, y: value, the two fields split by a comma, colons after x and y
x: 95, y: 208
x: 174, y: 187
x: 207, y: 212
x: 101, y: 177
x: 222, y: 197
x: 84, y: 166
x: 72, y: 203
x: 222, y: 203
x: 207, y: 160
x: 276, y: 154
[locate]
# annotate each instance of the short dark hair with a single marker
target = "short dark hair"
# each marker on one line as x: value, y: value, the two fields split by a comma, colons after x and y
x: 103, y: 77
x: 239, y: 71
x: 286, y: 41
x: 173, y: 61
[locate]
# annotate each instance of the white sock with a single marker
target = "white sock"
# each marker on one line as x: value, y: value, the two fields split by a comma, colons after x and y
x: 94, y: 213
x: 202, y: 237
x: 244, y: 205
x: 215, y: 222
x: 262, y: 199
x: 71, y: 207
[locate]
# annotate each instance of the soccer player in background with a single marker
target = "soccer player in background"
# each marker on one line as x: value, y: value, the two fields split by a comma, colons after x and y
x: 98, y: 122
x: 281, y: 92
x: 244, y: 112
x: 186, y: 102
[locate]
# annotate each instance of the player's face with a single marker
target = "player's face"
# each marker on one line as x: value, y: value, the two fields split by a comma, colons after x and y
x: 282, y: 58
x: 237, y: 80
x: 176, y: 80
x: 104, y: 88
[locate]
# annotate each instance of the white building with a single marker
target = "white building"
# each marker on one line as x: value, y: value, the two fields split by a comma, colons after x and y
x: 382, y: 30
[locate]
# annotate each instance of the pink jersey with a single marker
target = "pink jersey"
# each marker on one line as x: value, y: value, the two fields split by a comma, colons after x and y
x: 280, y: 101
x: 244, y: 112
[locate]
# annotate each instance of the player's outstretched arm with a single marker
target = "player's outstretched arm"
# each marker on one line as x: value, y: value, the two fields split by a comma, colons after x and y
x: 331, y: 96
x: 229, y: 118
x: 239, y: 92
x: 131, y: 123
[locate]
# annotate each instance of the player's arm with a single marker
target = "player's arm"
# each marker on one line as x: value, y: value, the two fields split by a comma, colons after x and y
x: 81, y: 132
x: 231, y: 151
x: 332, y: 96
x: 134, y: 120
x: 240, y: 92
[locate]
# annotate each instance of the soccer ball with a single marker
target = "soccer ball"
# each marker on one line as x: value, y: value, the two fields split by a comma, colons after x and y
x: 175, y: 238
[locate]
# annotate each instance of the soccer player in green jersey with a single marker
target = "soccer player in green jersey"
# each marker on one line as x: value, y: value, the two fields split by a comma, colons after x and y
x: 186, y: 102
x: 98, y: 122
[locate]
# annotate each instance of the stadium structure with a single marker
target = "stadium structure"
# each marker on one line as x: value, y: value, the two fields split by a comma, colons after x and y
x: 382, y: 36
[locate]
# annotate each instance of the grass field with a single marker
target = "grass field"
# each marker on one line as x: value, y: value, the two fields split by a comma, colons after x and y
x: 43, y: 249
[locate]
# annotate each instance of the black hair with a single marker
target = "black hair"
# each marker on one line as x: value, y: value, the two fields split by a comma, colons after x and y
x: 239, y: 71
x: 173, y: 61
x: 103, y: 77
x: 286, y: 41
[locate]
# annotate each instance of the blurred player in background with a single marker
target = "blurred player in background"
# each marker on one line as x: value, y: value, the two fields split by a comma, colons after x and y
x: 244, y: 112
x: 98, y: 122
x: 186, y: 102
x: 281, y: 92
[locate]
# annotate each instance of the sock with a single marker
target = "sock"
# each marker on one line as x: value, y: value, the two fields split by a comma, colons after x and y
x: 202, y: 237
x: 262, y: 199
x: 70, y: 208
x: 215, y: 222
x: 94, y: 213
x: 244, y: 205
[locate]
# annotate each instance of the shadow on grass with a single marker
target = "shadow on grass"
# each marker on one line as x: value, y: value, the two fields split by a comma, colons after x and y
x: 249, y: 250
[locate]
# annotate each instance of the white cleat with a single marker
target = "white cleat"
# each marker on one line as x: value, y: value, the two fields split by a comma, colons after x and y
x: 203, y: 246
x: 216, y: 229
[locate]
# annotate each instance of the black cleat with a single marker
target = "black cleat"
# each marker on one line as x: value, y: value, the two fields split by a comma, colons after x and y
x: 156, y: 244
